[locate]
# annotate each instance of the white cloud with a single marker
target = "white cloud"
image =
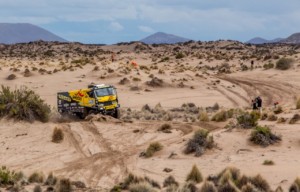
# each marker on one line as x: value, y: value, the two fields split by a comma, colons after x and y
x: 115, y: 26
x: 146, y: 29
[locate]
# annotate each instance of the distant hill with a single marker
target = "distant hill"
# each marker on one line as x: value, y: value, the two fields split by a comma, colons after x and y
x: 25, y: 32
x: 163, y: 38
x: 259, y: 40
x: 293, y: 39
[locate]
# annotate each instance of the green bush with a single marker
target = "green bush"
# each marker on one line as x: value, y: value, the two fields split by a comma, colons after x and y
x: 23, y: 104
x: 199, y: 143
x: 153, y: 147
x: 248, y: 120
x: 179, y: 55
x: 268, y: 66
x: 195, y: 175
x: 284, y: 63
x: 262, y: 135
x: 7, y: 177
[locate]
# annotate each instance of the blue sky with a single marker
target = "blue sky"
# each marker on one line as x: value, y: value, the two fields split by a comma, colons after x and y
x: 111, y: 21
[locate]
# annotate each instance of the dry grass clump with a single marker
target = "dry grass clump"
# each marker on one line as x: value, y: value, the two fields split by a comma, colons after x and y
x: 36, y: 177
x: 281, y: 120
x: 141, y: 187
x: 155, y: 82
x: 170, y: 181
x: 208, y: 187
x: 199, y: 143
x: 131, y: 180
x: 278, y: 110
x: 195, y: 175
x: 153, y: 148
x: 23, y: 104
x: 51, y: 179
x: 11, y: 77
x: 294, y: 119
x: 260, y: 183
x: 284, y: 63
x: 298, y: 104
x: 272, y: 117
x: 268, y: 162
x: 165, y: 128
x: 57, y: 135
x: 203, y: 116
x: 64, y: 185
x: 295, y: 187
x: 37, y: 188
x: 7, y: 177
x: 220, y: 116
x: 248, y: 120
x: 262, y: 135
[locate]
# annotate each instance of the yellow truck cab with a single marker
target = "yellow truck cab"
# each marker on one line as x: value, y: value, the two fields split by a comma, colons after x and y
x: 94, y: 99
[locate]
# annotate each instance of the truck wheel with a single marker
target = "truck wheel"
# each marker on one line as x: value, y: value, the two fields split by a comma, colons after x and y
x: 117, y: 113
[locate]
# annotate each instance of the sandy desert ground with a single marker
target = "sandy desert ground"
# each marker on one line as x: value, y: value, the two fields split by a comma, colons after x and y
x: 101, y: 153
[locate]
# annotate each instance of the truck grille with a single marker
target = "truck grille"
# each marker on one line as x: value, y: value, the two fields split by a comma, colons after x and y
x: 107, y: 103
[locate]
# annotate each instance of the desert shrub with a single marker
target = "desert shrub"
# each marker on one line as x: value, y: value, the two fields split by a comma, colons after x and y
x: 268, y: 162
x: 279, y: 189
x: 170, y: 181
x: 199, y: 142
x: 153, y: 147
x: 179, y: 55
x: 260, y: 183
x: 23, y: 104
x: 216, y: 107
x: 188, y: 187
x: 11, y: 77
x: 64, y: 185
x: 78, y: 184
x: 37, y: 188
x: 294, y: 119
x: 268, y: 66
x: 248, y: 120
x: 203, y: 116
x: 57, y: 135
x: 262, y: 135
x: 208, y: 187
x: 272, y: 117
x: 264, y: 116
x: 284, y: 63
x: 281, y: 120
x: 51, y: 179
x: 228, y: 187
x: 136, y: 79
x: 278, y: 110
x: 165, y: 128
x: 164, y: 59
x: 141, y: 187
x: 195, y: 175
x: 220, y: 116
x: 249, y: 188
x: 229, y: 174
x: 7, y: 177
x: 298, y: 104
x: 36, y: 177
x: 294, y: 188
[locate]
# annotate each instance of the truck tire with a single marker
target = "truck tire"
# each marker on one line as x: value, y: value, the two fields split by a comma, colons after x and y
x: 117, y: 113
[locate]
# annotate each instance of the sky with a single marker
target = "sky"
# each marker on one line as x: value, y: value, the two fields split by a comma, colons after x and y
x: 112, y: 21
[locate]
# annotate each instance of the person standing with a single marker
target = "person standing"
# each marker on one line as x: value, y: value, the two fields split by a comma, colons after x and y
x: 259, y: 103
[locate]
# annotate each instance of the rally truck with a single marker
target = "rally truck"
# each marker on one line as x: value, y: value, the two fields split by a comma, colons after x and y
x: 92, y: 100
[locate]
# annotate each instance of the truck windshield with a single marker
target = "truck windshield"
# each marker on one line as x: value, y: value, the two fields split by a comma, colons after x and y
x: 105, y: 91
